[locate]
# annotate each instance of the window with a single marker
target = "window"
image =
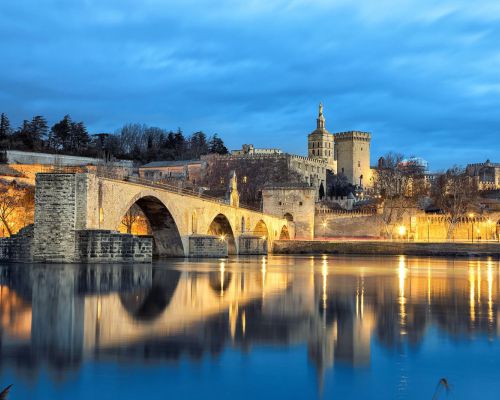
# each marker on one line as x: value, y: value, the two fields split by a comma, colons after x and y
x: 245, y: 179
x: 279, y: 203
x: 300, y: 203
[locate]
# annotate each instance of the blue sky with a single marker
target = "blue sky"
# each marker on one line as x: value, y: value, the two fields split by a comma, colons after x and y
x: 422, y: 76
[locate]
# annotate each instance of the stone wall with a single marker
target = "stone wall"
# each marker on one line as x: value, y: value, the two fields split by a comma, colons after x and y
x: 111, y: 246
x: 352, y: 151
x: 18, y: 247
x: 55, y: 217
x: 347, y: 224
x: 388, y: 248
x: 26, y: 157
x: 252, y: 245
x: 207, y: 246
x: 296, y: 204
x: 60, y: 234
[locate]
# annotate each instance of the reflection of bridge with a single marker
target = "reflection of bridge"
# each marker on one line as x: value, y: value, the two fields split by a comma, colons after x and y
x: 74, y: 312
x: 66, y: 313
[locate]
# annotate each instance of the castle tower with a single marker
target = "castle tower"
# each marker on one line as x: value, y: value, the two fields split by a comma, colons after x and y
x: 321, y: 142
x: 352, y: 153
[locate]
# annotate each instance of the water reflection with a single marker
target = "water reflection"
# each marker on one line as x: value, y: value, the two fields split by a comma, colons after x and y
x: 337, y: 307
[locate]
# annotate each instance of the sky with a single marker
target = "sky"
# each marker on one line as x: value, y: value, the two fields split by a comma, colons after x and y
x: 422, y: 76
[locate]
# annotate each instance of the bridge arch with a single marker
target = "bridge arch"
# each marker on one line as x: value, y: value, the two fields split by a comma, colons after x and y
x: 166, y: 237
x: 284, y: 234
x: 220, y: 226
x: 219, y: 281
x: 148, y: 304
x: 261, y: 229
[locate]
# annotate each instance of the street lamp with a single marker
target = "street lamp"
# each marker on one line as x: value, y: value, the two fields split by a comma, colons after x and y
x: 471, y: 216
x: 402, y: 231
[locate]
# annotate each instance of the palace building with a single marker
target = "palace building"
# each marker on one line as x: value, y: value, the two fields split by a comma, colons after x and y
x: 346, y: 153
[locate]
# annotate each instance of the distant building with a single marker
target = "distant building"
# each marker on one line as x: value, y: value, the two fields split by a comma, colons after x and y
x: 249, y: 149
x: 417, y: 162
x: 346, y: 153
x: 487, y: 174
x: 321, y: 143
x: 189, y: 170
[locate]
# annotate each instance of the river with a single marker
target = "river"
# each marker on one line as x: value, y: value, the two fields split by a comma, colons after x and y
x: 253, y: 328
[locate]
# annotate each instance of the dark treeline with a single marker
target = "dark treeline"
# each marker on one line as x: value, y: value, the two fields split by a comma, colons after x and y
x: 136, y: 142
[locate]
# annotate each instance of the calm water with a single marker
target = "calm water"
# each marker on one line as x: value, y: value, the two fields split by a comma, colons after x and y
x: 277, y: 327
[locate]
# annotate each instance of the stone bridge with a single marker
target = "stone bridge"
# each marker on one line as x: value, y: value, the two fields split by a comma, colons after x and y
x: 179, y: 220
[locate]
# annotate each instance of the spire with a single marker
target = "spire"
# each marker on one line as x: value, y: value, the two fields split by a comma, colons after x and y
x: 320, y: 121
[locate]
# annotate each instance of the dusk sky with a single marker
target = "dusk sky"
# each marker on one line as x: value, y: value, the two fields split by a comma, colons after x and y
x: 422, y: 76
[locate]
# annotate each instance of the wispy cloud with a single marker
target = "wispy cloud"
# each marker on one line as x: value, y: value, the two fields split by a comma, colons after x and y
x: 421, y: 75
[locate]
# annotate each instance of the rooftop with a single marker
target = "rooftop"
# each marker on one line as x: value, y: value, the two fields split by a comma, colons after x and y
x: 157, y: 164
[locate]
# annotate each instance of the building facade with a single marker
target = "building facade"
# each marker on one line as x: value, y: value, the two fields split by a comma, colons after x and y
x: 249, y: 149
x: 346, y: 153
x: 188, y: 170
x: 321, y: 143
x: 487, y: 174
x: 352, y: 153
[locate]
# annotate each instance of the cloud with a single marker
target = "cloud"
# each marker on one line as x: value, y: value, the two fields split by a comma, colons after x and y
x: 421, y: 75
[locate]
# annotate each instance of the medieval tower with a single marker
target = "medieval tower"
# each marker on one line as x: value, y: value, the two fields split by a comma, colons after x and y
x: 346, y: 153
x: 352, y: 153
x: 321, y: 143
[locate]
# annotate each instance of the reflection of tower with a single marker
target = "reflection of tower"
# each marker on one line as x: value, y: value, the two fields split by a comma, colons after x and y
x: 58, y: 314
x: 343, y: 324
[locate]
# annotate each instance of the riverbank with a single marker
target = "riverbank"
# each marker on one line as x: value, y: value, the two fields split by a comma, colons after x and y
x: 387, y: 248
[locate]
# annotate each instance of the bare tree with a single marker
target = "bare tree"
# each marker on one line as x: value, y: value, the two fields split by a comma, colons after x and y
x: 454, y: 192
x: 131, y: 217
x: 8, y: 204
x: 400, y: 186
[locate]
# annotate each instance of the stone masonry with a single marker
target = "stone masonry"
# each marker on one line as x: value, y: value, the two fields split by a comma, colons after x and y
x: 59, y: 233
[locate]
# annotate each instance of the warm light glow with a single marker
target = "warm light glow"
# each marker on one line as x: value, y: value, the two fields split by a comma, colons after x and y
x: 471, y: 215
x: 402, y: 230
x: 490, y: 292
x: 324, y: 273
x: 402, y: 299
x: 222, y: 238
x: 472, y: 283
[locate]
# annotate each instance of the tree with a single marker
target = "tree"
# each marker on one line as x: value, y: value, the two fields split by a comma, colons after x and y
x: 60, y: 134
x: 216, y: 145
x: 131, y: 217
x: 400, y: 187
x: 32, y: 133
x: 198, y: 144
x: 454, y: 192
x: 69, y: 136
x: 79, y: 138
x: 338, y: 185
x: 8, y: 204
x: 5, y: 129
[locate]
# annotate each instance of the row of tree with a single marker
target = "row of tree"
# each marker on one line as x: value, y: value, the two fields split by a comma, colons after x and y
x: 137, y: 142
